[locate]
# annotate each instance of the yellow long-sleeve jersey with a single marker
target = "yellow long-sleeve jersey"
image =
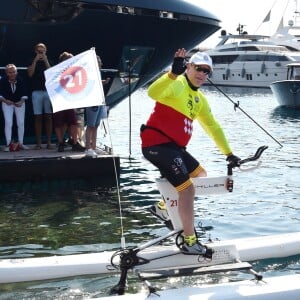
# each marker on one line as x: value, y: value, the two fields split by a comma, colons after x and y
x: 177, y: 106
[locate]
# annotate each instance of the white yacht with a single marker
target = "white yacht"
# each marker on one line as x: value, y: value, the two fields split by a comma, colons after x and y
x: 249, y: 60
x: 258, y: 60
x: 286, y: 33
x: 287, y: 92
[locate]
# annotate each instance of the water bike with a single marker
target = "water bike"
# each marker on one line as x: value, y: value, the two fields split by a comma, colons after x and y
x: 151, y: 260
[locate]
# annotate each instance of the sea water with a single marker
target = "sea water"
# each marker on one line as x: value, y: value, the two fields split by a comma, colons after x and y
x: 55, y: 219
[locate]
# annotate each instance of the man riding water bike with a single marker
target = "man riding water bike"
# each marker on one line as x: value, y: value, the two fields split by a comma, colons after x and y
x: 169, y: 128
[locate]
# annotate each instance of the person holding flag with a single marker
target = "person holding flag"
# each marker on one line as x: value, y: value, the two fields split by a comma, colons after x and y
x: 66, y: 119
x: 75, y: 82
x: 94, y: 115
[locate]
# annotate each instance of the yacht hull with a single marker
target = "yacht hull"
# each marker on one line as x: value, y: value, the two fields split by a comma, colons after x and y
x: 249, y: 74
x: 137, y: 42
x: 135, y: 39
x: 249, y: 61
x: 287, y: 92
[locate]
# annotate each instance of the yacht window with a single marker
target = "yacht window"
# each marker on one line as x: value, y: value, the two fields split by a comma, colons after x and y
x: 255, y: 47
x: 125, y: 10
x: 251, y: 57
x: 297, y: 73
x: 248, y: 48
x: 225, y: 77
x: 223, y: 59
x: 272, y: 48
x: 276, y: 58
x: 166, y: 14
x: 261, y: 57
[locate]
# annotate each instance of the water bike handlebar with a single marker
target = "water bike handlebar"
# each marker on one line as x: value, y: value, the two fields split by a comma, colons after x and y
x: 241, y: 162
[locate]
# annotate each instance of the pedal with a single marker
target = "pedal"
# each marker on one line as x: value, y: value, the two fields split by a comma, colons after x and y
x: 167, y: 222
x: 162, y: 214
x: 169, y: 225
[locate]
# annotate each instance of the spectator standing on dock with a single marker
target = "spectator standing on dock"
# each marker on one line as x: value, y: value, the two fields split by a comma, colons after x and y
x: 94, y: 115
x: 80, y: 112
x: 40, y: 98
x: 13, y: 94
x: 66, y: 119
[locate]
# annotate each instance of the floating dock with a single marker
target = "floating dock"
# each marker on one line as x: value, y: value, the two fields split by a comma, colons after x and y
x: 49, y: 164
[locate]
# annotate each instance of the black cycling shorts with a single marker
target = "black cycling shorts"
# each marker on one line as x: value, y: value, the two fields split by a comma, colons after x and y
x: 173, y: 162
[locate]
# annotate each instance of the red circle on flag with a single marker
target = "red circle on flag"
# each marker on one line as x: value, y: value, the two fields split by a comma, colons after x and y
x: 74, y: 79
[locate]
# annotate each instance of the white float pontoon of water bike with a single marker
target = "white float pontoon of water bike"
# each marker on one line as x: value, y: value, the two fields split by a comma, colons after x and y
x: 275, y: 288
x: 151, y: 260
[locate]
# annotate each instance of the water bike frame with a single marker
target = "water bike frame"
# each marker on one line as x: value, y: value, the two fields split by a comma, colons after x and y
x: 132, y: 257
x: 203, y: 186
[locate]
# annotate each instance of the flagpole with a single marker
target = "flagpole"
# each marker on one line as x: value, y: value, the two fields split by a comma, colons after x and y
x: 129, y: 102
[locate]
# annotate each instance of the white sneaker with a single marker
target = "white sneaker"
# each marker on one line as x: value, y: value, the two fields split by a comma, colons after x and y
x: 6, y: 149
x: 98, y: 151
x: 197, y: 249
x: 90, y: 152
x: 24, y: 147
x: 159, y: 210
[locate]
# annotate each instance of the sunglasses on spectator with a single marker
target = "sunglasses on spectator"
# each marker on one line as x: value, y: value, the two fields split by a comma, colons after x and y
x: 199, y: 68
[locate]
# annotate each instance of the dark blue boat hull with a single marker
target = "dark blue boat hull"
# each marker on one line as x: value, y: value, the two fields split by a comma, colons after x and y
x: 135, y: 46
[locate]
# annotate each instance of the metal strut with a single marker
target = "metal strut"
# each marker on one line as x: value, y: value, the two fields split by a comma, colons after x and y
x: 257, y: 276
x: 128, y: 260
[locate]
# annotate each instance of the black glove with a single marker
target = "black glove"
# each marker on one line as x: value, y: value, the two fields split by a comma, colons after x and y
x: 233, y: 160
x: 178, y: 66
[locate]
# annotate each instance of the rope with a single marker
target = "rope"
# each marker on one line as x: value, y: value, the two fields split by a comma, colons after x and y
x: 118, y: 188
x: 237, y: 105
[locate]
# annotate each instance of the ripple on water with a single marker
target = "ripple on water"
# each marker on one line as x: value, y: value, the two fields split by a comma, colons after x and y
x: 55, y: 221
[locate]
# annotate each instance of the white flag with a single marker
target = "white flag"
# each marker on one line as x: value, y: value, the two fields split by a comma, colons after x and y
x: 75, y: 82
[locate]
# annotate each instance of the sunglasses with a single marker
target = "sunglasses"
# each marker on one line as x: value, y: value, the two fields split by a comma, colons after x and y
x: 198, y: 68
